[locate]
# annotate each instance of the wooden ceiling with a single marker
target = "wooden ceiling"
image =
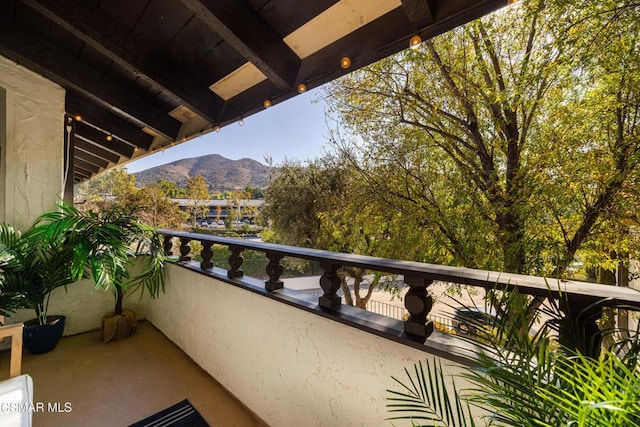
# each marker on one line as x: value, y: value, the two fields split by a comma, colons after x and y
x: 141, y: 75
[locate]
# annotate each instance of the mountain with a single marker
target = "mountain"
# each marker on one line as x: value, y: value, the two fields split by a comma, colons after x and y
x: 219, y: 172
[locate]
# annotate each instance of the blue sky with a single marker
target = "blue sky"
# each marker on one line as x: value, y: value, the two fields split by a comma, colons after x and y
x: 294, y: 129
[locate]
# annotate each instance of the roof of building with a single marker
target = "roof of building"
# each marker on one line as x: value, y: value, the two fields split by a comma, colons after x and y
x: 141, y: 75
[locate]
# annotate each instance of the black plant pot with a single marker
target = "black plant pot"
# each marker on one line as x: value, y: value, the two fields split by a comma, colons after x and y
x: 42, y: 339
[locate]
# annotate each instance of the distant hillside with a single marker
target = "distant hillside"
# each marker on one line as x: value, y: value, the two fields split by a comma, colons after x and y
x: 219, y: 172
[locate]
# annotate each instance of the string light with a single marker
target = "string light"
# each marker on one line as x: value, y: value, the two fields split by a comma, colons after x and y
x: 109, y: 138
x: 216, y: 128
x: 415, y: 42
x: 267, y: 103
x: 78, y: 118
x: 345, y: 62
x: 302, y: 88
x: 241, y: 122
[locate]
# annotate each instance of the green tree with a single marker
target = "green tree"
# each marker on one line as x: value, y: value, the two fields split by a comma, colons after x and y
x: 512, y: 141
x: 322, y: 205
x: 255, y: 192
x: 169, y: 188
x: 118, y: 188
x: 157, y: 209
x: 198, y: 192
x: 112, y: 183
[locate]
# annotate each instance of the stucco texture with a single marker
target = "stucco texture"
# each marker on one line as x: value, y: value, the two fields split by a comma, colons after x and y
x: 32, y: 144
x: 289, y: 366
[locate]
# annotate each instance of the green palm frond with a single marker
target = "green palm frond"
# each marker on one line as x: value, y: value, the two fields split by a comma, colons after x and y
x: 31, y: 269
x: 107, y: 244
x: 65, y: 245
x: 595, y: 392
x: 525, y: 377
x: 426, y: 397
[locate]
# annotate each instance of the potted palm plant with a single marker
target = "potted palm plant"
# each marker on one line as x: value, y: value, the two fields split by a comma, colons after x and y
x: 108, y: 244
x: 30, y: 270
x: 9, y: 301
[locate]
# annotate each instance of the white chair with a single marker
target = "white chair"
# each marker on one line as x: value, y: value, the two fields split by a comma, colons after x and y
x: 16, y: 393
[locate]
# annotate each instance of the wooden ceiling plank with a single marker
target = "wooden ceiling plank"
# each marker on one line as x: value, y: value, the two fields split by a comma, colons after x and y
x: 106, y: 121
x: 420, y: 12
x: 250, y: 35
x: 79, y: 163
x: 53, y: 62
x: 386, y: 36
x: 100, y: 144
x: 82, y: 171
x: 109, y: 37
x: 92, y: 134
x: 88, y: 157
x: 95, y: 150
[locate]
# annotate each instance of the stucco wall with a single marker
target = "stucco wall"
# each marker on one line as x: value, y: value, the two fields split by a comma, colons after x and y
x: 32, y: 144
x: 289, y: 366
x: 83, y: 306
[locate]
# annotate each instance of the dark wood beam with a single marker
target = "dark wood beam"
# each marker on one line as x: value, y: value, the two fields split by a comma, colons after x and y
x: 107, y: 121
x: 86, y: 165
x: 113, y: 40
x: 83, y: 171
x: 386, y: 36
x: 88, y: 157
x: 420, y: 12
x: 41, y: 56
x: 88, y: 133
x: 96, y: 150
x: 248, y: 34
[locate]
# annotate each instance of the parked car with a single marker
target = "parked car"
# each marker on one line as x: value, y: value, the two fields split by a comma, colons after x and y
x: 467, y: 320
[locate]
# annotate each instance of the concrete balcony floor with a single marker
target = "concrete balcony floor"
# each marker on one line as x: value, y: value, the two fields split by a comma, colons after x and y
x: 122, y: 382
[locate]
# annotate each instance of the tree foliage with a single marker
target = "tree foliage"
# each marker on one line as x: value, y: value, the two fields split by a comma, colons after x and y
x: 118, y: 188
x: 511, y: 142
x: 198, y: 192
x: 321, y: 205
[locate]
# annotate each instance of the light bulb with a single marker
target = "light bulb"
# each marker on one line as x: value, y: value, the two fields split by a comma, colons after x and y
x: 302, y: 88
x: 78, y: 118
x: 345, y: 62
x: 241, y: 122
x: 415, y: 41
x: 109, y: 138
x: 216, y: 128
x: 266, y: 103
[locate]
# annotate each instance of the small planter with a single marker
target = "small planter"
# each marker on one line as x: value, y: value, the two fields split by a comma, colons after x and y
x: 42, y: 339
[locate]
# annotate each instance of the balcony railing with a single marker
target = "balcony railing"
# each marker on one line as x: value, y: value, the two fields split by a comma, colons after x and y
x: 575, y: 298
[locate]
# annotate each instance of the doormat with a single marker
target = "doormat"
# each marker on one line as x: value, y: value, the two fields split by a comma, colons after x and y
x: 181, y: 414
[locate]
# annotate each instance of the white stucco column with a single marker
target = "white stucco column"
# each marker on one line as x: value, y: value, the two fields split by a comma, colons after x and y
x: 31, y: 144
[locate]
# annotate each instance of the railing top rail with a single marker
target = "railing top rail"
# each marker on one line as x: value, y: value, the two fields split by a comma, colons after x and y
x: 531, y: 285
